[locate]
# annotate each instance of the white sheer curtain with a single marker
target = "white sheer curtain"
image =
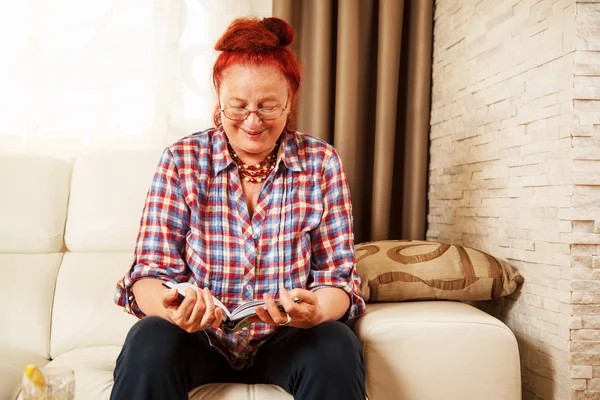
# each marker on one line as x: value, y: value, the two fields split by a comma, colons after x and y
x: 86, y: 74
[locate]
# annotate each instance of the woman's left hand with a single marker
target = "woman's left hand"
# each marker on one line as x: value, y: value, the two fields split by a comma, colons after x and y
x: 304, y: 314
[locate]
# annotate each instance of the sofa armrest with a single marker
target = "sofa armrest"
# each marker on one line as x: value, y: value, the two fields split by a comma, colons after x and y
x: 432, y: 350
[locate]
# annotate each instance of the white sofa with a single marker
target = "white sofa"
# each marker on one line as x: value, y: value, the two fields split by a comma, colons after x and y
x: 67, y: 231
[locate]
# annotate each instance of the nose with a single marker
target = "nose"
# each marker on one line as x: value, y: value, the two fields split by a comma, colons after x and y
x: 253, y: 120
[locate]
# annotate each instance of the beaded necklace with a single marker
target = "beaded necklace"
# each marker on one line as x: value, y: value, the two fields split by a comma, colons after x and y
x: 255, y: 173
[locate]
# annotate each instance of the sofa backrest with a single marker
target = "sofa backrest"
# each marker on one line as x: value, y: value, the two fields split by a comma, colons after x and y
x: 96, y: 201
x: 108, y: 190
x: 107, y: 197
x: 33, y: 204
x: 34, y: 191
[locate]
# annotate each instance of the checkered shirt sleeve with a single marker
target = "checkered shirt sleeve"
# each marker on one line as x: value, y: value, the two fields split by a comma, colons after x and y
x: 161, y: 237
x: 332, y: 241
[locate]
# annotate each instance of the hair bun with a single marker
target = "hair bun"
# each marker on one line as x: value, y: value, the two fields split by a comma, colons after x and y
x: 279, y: 27
x: 252, y: 34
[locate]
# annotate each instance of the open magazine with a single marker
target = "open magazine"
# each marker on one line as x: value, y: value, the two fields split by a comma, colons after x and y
x: 234, y: 320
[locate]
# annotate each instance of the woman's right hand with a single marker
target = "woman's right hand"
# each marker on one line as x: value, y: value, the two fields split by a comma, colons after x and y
x: 195, y: 313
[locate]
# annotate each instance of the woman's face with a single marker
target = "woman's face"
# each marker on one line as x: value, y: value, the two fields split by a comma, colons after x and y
x: 253, y: 87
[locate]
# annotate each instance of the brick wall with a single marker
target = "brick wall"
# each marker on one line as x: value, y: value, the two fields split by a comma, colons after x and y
x: 511, y: 172
x: 585, y: 206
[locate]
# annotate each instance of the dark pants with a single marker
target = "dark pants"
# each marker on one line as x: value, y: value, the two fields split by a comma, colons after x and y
x: 161, y: 361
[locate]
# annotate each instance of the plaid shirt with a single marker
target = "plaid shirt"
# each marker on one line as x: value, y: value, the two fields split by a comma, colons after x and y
x: 196, y: 227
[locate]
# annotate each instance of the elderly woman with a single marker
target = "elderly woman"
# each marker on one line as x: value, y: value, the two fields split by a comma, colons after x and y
x: 246, y: 210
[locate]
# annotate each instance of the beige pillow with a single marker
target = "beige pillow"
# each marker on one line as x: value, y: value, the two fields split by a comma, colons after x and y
x: 399, y: 270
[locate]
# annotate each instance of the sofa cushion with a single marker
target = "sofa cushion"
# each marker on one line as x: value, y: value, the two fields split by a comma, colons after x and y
x: 32, y: 215
x: 94, y: 367
x: 84, y: 313
x: 26, y: 300
x: 431, y: 350
x: 108, y: 191
x: 397, y: 270
x: 239, y: 391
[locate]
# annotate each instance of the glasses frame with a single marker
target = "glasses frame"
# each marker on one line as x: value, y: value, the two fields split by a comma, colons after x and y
x: 248, y: 112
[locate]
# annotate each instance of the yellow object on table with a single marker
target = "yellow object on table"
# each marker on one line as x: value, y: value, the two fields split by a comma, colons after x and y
x: 35, y: 376
x: 49, y: 383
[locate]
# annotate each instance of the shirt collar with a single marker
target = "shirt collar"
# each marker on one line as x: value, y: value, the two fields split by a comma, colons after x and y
x: 220, y: 154
x: 289, y: 154
x: 288, y: 151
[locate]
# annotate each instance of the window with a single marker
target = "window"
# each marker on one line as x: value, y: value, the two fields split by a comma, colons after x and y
x: 82, y: 74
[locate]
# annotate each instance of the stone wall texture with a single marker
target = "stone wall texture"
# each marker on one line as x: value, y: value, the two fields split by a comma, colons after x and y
x: 515, y: 171
x: 584, y: 212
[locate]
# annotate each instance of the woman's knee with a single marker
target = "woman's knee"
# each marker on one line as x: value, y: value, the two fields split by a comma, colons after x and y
x: 335, y: 342
x: 331, y: 362
x: 339, y: 336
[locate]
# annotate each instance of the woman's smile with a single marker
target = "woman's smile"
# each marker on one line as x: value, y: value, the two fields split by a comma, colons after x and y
x: 252, y: 133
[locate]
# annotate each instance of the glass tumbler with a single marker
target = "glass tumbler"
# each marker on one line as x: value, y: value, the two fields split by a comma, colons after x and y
x: 60, y: 385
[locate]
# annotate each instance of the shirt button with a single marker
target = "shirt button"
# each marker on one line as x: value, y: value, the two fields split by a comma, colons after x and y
x: 254, y: 236
x: 248, y: 287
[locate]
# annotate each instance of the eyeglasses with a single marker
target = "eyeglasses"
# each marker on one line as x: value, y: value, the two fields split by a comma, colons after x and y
x: 264, y: 113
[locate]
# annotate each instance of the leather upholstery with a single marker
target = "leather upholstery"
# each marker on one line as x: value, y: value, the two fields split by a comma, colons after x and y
x: 454, y: 350
x: 84, y: 314
x: 107, y: 198
x: 33, y: 204
x: 28, y: 282
x: 59, y: 303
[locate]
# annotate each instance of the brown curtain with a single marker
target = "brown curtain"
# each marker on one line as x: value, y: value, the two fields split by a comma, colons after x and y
x: 366, y: 90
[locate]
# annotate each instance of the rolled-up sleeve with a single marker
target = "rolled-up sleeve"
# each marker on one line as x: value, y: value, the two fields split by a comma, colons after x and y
x: 332, y: 242
x: 161, y: 236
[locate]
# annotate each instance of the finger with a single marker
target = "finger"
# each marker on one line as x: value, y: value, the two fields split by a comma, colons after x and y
x: 264, y: 316
x: 288, y: 303
x: 187, y: 305
x: 199, y: 308
x: 217, y: 312
x: 255, y: 318
x: 279, y: 317
x: 218, y: 318
x: 174, y: 307
x: 170, y: 299
x: 209, y: 311
x: 307, y: 296
x: 208, y: 300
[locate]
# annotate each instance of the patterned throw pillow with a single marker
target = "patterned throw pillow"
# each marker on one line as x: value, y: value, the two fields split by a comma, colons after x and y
x: 399, y: 270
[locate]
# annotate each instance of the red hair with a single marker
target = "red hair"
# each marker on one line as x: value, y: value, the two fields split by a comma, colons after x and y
x: 258, y: 42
